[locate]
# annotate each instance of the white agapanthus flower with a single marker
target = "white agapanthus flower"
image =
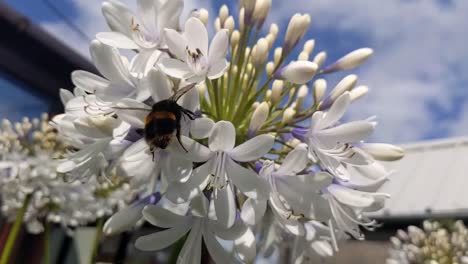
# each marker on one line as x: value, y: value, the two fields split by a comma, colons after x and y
x: 222, y: 173
x: 199, y: 225
x: 194, y: 61
x: 194, y: 161
x: 142, y: 31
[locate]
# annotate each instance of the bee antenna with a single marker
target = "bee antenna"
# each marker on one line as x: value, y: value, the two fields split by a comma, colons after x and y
x: 182, y: 91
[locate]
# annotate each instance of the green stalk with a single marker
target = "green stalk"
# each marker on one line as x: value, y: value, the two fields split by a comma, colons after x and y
x: 100, y: 223
x: 9, y: 245
x: 47, y: 231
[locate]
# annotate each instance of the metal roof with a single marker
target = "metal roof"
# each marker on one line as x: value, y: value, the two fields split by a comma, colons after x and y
x: 431, y: 181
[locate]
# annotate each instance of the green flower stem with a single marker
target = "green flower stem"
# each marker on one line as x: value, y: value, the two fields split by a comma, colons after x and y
x: 7, y: 250
x: 47, y: 233
x: 99, y: 225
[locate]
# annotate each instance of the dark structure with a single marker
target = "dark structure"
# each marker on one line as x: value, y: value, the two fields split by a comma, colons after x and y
x: 31, y: 55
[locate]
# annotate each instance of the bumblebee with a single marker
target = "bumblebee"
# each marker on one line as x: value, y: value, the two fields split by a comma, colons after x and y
x: 162, y: 124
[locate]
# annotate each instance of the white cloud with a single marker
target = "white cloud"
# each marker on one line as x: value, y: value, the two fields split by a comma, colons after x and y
x: 418, y: 44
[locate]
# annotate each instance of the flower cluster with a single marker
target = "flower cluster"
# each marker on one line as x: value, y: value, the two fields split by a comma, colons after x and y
x: 436, y: 243
x: 30, y: 185
x: 220, y: 137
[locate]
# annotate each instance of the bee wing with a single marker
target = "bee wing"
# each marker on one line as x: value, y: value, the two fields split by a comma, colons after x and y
x: 182, y: 91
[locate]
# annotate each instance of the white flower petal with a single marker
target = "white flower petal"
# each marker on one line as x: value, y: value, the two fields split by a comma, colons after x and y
x: 65, y: 96
x: 351, y: 132
x: 175, y: 68
x: 158, y: 85
x: 180, y: 192
x: 117, y: 40
x: 164, y: 218
x: 162, y: 239
x: 217, y: 69
x: 323, y: 248
x: 168, y: 14
x: 337, y: 110
x: 118, y: 16
x: 201, y: 127
x: 175, y: 168
x: 253, y: 211
x: 90, y: 82
x: 196, y: 35
x: 223, y: 136
x: 295, y: 162
x: 145, y: 60
x: 125, y: 110
x: 190, y: 100
x: 225, y: 206
x: 109, y: 63
x: 196, y: 152
x: 191, y: 251
x: 176, y: 43
x: 245, y: 246
x: 137, y: 161
x: 217, y: 252
x: 123, y: 220
x: 350, y: 197
x: 253, y: 148
x: 219, y: 46
x: 247, y: 181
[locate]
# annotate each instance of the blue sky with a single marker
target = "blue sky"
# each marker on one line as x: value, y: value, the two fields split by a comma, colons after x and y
x: 417, y: 77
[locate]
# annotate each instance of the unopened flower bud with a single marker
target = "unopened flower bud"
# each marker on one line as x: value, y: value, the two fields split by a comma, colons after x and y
x: 358, y: 92
x: 288, y: 115
x: 303, y: 56
x: 309, y: 46
x: 274, y: 29
x: 269, y: 68
x: 223, y: 13
x: 277, y: 55
x: 320, y: 58
x: 271, y: 40
x: 296, y: 29
x: 241, y: 19
x: 276, y: 90
x: 247, y: 52
x: 235, y: 37
x: 229, y: 24
x: 350, y: 60
x: 255, y: 105
x: 202, y: 14
x: 384, y: 152
x: 248, y: 6
x: 268, y: 95
x: 298, y: 72
x: 301, y: 95
x: 346, y: 84
x: 261, y: 10
x: 261, y: 52
x: 320, y: 86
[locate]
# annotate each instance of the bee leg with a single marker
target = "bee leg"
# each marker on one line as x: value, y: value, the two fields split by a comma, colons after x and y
x: 152, y: 152
x: 178, y: 139
x: 189, y: 113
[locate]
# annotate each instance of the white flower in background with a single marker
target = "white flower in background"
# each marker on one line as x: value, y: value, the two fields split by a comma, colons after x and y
x: 221, y: 171
x: 435, y: 242
x: 317, y: 243
x: 142, y: 31
x: 194, y: 62
x: 198, y: 225
x: 30, y: 154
